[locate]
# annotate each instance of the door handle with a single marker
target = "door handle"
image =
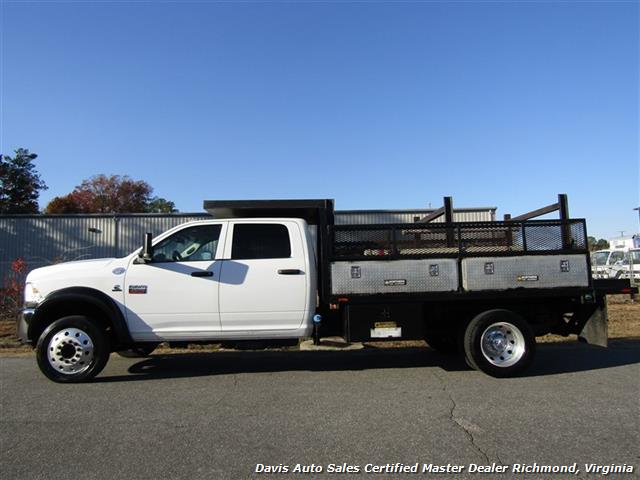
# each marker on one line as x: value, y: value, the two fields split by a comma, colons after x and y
x: 202, y: 274
x: 290, y: 271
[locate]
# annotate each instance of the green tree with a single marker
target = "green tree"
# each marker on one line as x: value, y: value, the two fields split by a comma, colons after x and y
x: 161, y: 205
x: 600, y: 244
x: 110, y: 194
x: 20, y: 183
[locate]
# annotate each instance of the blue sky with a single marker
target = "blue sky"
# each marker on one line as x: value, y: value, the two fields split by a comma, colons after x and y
x: 378, y: 105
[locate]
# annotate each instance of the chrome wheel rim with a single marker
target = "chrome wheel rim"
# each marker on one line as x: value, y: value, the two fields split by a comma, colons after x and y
x: 502, y: 344
x: 70, y: 351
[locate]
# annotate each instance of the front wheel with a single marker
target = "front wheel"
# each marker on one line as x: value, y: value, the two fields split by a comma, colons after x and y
x: 72, y: 349
x: 500, y: 343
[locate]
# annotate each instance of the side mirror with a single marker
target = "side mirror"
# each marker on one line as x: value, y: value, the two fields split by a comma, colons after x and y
x: 147, y: 248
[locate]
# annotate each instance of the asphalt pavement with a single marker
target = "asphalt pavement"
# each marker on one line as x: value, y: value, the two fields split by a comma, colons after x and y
x: 219, y: 415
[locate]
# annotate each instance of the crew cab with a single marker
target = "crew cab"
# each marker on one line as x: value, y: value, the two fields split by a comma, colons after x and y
x: 212, y: 279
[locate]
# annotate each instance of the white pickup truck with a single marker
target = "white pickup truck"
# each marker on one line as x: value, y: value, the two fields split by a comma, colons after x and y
x: 606, y: 263
x: 629, y: 267
x: 268, y: 269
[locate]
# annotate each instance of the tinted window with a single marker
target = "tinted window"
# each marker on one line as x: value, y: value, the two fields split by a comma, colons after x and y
x: 260, y: 241
x: 188, y: 245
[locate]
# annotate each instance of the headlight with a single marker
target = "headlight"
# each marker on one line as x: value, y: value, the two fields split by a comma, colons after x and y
x: 32, y: 295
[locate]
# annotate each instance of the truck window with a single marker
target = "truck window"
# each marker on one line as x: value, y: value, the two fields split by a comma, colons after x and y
x: 255, y: 240
x: 600, y: 258
x: 616, y: 257
x: 192, y: 244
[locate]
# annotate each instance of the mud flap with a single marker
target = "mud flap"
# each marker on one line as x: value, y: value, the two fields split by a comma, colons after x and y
x: 596, y: 330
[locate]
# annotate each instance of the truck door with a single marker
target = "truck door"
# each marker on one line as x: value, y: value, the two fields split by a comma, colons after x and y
x: 263, y: 282
x: 176, y: 294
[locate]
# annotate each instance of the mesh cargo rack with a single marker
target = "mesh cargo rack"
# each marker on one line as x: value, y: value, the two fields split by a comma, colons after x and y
x: 457, y: 240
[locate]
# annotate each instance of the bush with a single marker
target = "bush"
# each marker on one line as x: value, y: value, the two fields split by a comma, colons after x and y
x: 12, y: 291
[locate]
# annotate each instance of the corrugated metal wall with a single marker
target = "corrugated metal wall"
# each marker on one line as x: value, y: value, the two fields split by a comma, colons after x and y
x: 46, y: 239
x: 351, y: 217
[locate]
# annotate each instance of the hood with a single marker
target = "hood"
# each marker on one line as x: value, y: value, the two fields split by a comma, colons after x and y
x: 70, y: 268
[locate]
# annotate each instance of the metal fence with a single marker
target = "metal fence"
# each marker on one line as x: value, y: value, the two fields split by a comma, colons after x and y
x: 360, y: 217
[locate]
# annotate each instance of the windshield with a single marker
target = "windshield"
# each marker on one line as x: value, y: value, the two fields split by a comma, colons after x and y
x: 600, y: 258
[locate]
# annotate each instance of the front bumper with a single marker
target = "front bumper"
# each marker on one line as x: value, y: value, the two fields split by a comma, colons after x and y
x: 24, y: 319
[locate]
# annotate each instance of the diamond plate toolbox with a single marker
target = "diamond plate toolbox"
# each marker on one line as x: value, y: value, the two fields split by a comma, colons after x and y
x: 394, y: 276
x: 538, y: 271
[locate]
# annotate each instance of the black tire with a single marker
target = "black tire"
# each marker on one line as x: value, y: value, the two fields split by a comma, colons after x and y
x: 512, y: 349
x: 139, y: 351
x: 72, y: 349
x: 442, y: 341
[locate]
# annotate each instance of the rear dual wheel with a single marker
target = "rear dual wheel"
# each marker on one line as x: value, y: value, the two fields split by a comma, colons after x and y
x: 500, y: 343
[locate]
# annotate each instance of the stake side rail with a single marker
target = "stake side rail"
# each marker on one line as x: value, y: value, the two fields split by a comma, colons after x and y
x: 458, y: 240
x: 453, y: 242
